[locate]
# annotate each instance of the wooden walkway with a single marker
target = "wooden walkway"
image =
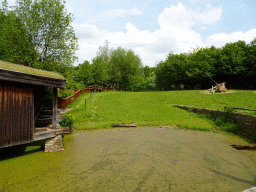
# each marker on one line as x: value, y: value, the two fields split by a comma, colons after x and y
x: 45, y: 132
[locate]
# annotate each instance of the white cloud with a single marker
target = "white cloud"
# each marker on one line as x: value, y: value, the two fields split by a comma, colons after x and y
x: 132, y: 36
x: 181, y: 16
x: 135, y: 12
x: 89, y: 40
x: 114, y: 13
x: 175, y: 35
x: 109, y: 14
x: 220, y: 39
x: 210, y: 16
x: 177, y: 16
x: 208, y: 5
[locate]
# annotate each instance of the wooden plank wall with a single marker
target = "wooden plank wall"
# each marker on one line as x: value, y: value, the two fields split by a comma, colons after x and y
x: 16, y: 113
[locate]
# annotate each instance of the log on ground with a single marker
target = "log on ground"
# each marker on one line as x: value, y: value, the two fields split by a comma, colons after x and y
x: 125, y: 125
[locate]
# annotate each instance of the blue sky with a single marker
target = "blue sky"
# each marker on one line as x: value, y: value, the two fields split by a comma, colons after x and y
x: 153, y: 29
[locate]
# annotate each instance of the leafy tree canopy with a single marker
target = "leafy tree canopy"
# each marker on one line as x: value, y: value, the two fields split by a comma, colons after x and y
x: 49, y: 26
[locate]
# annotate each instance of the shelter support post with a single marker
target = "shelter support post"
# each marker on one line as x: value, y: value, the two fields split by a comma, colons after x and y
x: 54, y: 114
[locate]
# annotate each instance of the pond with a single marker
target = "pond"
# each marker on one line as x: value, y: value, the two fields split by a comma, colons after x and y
x: 133, y: 159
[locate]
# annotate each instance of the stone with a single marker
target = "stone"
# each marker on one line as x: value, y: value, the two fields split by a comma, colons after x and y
x: 54, y: 144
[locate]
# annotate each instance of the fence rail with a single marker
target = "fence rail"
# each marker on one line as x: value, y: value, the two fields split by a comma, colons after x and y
x: 63, y: 102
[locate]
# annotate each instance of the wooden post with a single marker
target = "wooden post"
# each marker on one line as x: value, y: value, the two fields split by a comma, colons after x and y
x: 105, y: 89
x: 132, y: 89
x: 85, y: 104
x: 162, y: 89
x: 54, y: 113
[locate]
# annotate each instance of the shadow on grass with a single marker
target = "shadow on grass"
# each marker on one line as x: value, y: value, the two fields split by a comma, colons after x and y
x: 21, y: 150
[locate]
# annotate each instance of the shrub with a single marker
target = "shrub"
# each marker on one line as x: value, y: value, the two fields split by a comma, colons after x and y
x: 229, y: 115
x: 65, y: 93
x: 68, y: 121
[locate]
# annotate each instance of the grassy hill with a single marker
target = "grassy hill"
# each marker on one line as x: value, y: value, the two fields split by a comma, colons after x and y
x: 155, y: 108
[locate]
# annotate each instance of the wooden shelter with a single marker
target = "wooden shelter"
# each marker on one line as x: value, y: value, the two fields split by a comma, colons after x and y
x: 22, y: 93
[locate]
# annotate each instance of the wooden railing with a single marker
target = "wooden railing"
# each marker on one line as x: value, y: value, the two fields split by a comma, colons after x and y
x: 63, y: 103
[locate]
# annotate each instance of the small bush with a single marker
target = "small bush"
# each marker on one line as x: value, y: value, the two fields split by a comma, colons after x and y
x: 65, y: 93
x: 68, y: 121
x: 229, y: 115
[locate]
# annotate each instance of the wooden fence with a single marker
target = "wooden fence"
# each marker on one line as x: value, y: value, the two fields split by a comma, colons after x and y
x: 63, y: 103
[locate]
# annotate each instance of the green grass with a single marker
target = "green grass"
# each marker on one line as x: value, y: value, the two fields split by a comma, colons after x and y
x: 29, y: 70
x: 155, y: 108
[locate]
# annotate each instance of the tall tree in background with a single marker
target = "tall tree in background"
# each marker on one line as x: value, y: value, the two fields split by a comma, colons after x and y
x: 123, y: 67
x: 83, y: 73
x: 100, y: 64
x: 49, y: 26
x: 99, y: 71
x: 15, y: 43
x: 251, y: 62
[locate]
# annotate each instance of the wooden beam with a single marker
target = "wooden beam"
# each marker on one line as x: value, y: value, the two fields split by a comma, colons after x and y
x: 125, y: 125
x: 54, y: 114
x: 15, y: 76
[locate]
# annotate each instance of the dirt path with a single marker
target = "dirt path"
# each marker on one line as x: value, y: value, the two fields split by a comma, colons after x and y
x: 147, y: 159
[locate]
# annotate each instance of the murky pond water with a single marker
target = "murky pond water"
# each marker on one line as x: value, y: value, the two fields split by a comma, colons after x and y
x: 134, y: 159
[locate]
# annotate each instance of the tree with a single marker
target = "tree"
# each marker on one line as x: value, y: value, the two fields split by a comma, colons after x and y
x: 99, y: 70
x: 253, y: 42
x: 83, y: 73
x: 151, y: 80
x: 105, y: 52
x: 198, y: 66
x: 123, y: 66
x: 100, y: 64
x: 49, y: 26
x: 15, y: 43
x: 147, y: 70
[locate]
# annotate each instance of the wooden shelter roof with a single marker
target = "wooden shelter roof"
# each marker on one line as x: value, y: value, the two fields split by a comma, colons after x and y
x: 23, y: 74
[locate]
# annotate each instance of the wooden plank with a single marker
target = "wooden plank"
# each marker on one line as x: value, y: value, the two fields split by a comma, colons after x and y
x: 54, y: 115
x: 8, y: 116
x: 5, y: 110
x: 22, y: 116
x: 12, y: 130
x: 125, y: 125
x: 19, y: 119
x: 244, y: 147
x: 1, y: 115
x: 31, y: 79
x: 49, y: 133
x: 16, y: 114
x: 16, y: 111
